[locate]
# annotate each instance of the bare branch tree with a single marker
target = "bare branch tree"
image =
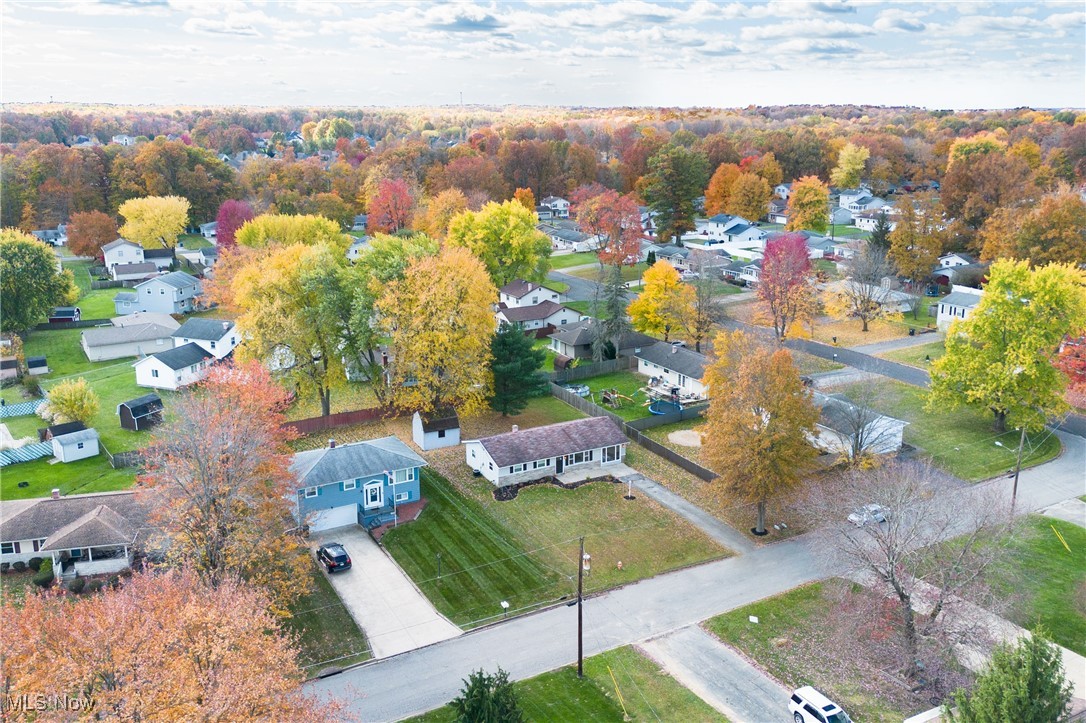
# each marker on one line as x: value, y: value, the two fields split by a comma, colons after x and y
x: 861, y: 429
x: 863, y: 295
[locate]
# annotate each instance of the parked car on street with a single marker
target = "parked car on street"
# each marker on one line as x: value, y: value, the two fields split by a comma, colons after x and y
x: 690, y: 276
x: 807, y: 705
x: 334, y: 557
x: 869, y: 514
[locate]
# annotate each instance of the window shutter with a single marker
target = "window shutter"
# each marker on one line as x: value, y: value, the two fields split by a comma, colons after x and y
x: 320, y: 491
x: 17, y: 547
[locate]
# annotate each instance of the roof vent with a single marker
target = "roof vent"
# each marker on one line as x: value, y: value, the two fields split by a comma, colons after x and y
x: 674, y: 348
x: 226, y: 325
x: 516, y: 428
x: 331, y: 444
x: 56, y: 493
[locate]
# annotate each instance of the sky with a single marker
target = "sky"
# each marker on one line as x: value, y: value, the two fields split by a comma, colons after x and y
x: 956, y: 55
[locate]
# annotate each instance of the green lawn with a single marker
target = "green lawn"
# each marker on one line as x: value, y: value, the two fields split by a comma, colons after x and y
x: 14, y: 586
x: 960, y: 441
x: 545, y: 345
x: 193, y: 241
x: 566, y: 260
x: 87, y: 475
x: 922, y: 320
x: 481, y: 563
x: 327, y: 634
x: 793, y: 642
x: 627, y: 384
x: 1048, y: 581
x: 560, y: 286
x: 585, y: 307
x: 629, y: 273
x: 81, y: 272
x: 917, y: 356
x: 98, y: 304
x: 639, y: 691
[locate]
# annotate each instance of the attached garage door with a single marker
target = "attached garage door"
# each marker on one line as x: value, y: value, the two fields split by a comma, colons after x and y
x: 334, y: 517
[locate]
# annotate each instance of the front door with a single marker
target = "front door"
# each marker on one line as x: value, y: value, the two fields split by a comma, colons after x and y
x: 559, y: 464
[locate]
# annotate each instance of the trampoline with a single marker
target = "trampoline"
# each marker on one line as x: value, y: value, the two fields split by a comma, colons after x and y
x: 663, y: 407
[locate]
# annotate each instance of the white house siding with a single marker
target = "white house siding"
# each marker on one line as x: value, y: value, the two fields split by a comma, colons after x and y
x: 887, y: 436
x: 685, y: 383
x: 71, y: 452
x: 218, y: 348
x: 530, y: 299
x: 168, y: 378
x: 478, y: 458
x: 26, y: 551
x: 948, y: 313
x: 131, y: 349
x: 125, y: 254
x: 155, y: 295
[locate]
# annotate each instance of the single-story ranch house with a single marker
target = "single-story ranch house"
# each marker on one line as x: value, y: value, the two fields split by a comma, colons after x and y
x: 93, y: 534
x: 531, y: 454
x: 841, y: 421
x: 355, y: 484
x: 117, y: 342
x: 670, y: 365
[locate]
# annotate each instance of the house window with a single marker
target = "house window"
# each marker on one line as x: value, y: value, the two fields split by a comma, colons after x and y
x: 154, y: 373
x: 441, y: 434
x: 404, y: 475
x: 148, y: 292
x: 403, y: 496
x: 473, y: 454
x: 79, y: 445
x: 310, y: 492
x: 75, y: 553
x: 38, y: 544
x: 351, y: 484
x: 516, y: 468
x: 233, y: 341
x: 9, y: 548
x: 162, y: 292
x: 610, y: 454
x: 492, y: 466
x: 212, y: 345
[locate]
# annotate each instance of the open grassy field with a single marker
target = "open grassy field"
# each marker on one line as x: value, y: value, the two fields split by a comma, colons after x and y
x: 917, y: 356
x: 629, y: 273
x: 93, y: 303
x: 961, y: 441
x: 639, y: 691
x: 1048, y: 581
x: 794, y: 642
x: 565, y: 261
x: 327, y: 634
x: 627, y: 384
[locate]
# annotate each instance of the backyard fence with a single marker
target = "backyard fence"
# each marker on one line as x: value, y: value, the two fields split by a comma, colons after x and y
x: 584, y: 371
x: 635, y: 434
x: 81, y: 324
x: 121, y: 460
x: 107, y: 284
x: 340, y: 419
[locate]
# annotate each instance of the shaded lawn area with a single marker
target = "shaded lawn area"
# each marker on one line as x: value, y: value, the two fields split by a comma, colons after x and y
x: 916, y: 355
x: 1050, y: 580
x: 15, y: 586
x: 545, y: 345
x: 644, y: 692
x: 922, y: 320
x: 193, y: 241
x: 811, y: 364
x: 627, y: 384
x: 793, y: 642
x: 629, y: 273
x: 827, y: 267
x: 465, y: 562
x: 327, y: 634
x: 960, y: 441
x: 567, y: 260
x: 14, y: 394
x: 93, y: 474
x: 81, y: 272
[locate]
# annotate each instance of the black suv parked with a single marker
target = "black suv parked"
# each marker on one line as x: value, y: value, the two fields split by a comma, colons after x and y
x: 334, y: 557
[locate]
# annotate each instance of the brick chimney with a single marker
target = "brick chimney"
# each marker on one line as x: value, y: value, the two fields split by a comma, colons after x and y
x: 56, y: 493
x: 331, y: 444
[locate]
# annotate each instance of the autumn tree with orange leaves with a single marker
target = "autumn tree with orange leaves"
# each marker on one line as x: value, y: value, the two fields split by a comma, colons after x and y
x: 88, y: 232
x: 168, y: 646
x: 219, y: 488
x: 616, y: 221
x: 391, y: 206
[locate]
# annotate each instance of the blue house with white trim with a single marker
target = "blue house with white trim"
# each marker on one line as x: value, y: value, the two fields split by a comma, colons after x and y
x: 360, y: 483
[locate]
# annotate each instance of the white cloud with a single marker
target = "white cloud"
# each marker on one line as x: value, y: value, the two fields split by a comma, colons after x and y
x: 811, y: 46
x: 812, y: 28
x: 897, y: 19
x: 207, y: 26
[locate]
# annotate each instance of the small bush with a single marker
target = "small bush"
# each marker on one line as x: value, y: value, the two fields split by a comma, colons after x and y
x: 114, y: 581
x: 95, y: 586
x: 76, y: 585
x: 5, y: 566
x: 44, y: 576
x: 19, y: 566
x: 34, y: 563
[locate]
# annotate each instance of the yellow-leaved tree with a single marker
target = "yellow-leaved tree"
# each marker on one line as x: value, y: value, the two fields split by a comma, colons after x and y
x: 154, y: 221
x: 73, y: 400
x: 291, y: 229
x: 504, y: 237
x: 759, y: 422
x: 440, y: 321
x: 654, y: 310
x: 808, y: 205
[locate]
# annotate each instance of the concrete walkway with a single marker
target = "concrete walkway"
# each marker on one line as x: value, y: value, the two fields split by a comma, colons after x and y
x: 719, y: 676
x: 1072, y: 510
x: 395, y: 616
x: 711, y: 526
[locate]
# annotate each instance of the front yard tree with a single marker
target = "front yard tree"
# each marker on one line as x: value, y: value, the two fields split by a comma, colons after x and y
x: 676, y: 177
x: 759, y: 420
x: 696, y: 309
x: 784, y: 284
x: 918, y: 240
x: 653, y: 311
x: 616, y: 221
x: 89, y: 231
x: 1002, y: 358
x: 1024, y: 681
x: 862, y: 295
x: 808, y: 205
x: 30, y: 282
x: 749, y: 197
x: 218, y: 484
x: 880, y: 235
x: 73, y: 400
x: 487, y: 698
x: 850, y: 166
x: 154, y: 221
x: 164, y: 646
x: 440, y: 320
x: 294, y: 304
x: 233, y: 214
x: 515, y: 365
x: 504, y: 237
x: 929, y: 557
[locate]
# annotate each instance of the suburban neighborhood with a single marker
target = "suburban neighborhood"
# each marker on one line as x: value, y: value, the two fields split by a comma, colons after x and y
x: 545, y: 412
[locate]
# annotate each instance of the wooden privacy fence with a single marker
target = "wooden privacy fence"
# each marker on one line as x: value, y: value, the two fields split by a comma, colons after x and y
x: 339, y: 419
x: 634, y: 432
x: 81, y: 324
x: 584, y: 371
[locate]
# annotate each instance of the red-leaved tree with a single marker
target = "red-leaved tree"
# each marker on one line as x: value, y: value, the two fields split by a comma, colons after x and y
x: 783, y: 284
x: 88, y: 232
x: 391, y: 205
x: 616, y: 221
x: 232, y: 216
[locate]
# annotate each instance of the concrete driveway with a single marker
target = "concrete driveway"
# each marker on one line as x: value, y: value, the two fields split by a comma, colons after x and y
x: 395, y: 616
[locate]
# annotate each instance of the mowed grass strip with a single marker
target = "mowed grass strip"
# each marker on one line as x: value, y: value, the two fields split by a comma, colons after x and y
x: 327, y: 635
x: 917, y: 356
x: 565, y: 261
x: 643, y: 692
x: 481, y: 562
x: 961, y: 441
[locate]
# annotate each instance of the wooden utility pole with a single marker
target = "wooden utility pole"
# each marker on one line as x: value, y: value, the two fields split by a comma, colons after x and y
x: 1018, y: 468
x: 580, y: 619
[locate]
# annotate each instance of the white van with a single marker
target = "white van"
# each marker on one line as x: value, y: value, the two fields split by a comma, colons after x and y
x: 807, y: 705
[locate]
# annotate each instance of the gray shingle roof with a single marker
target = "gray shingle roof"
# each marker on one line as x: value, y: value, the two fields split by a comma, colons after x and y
x: 961, y: 298
x: 99, y: 527
x: 842, y: 415
x: 125, y: 296
x: 116, y: 243
x: 83, y: 435
x: 204, y: 329
x: 552, y: 440
x: 352, y: 461
x: 181, y: 357
x: 176, y: 279
x: 158, y: 253
x: 40, y: 518
x: 146, y: 268
x: 142, y: 406
x: 676, y: 358
x: 441, y: 421
x: 108, y: 335
x: 519, y: 288
x: 584, y: 332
